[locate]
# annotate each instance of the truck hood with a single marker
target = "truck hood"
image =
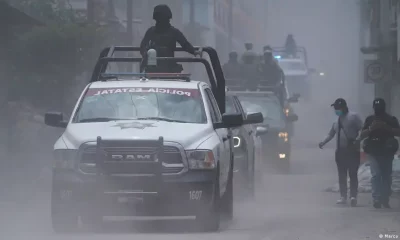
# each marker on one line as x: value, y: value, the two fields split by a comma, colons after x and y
x: 274, y: 124
x: 187, y: 134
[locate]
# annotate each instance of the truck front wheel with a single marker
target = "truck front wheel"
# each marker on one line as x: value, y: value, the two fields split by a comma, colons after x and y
x: 209, y: 219
x: 64, y: 216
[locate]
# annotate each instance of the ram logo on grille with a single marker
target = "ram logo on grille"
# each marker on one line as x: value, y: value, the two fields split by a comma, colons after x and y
x: 131, y: 157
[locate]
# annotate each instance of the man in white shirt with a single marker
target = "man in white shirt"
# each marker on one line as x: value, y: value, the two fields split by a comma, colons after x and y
x: 347, y: 155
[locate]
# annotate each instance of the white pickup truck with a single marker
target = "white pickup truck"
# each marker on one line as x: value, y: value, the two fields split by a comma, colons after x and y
x: 147, y: 149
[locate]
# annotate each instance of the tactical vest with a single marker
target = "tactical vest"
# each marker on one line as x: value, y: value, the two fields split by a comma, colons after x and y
x: 164, y: 42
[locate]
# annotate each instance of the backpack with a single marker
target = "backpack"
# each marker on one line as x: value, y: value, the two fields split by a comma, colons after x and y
x: 379, y: 146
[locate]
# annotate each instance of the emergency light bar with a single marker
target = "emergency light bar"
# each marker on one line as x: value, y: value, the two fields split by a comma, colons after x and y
x: 277, y: 57
x: 184, y: 76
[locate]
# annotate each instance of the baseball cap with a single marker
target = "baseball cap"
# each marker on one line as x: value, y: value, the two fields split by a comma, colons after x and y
x: 379, y: 102
x: 339, y: 103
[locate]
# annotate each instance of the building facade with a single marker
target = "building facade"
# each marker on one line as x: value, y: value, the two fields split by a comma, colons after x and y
x: 227, y: 24
x: 381, y: 44
x: 248, y: 25
x: 223, y: 24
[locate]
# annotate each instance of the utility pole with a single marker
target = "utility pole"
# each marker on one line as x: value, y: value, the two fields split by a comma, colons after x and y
x: 230, y: 25
x: 90, y: 11
x: 129, y: 25
x: 383, y: 89
x: 192, y: 20
x: 194, y: 30
x: 192, y: 13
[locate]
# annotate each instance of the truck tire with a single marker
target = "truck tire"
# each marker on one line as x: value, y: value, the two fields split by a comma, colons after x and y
x: 252, y: 179
x: 92, y: 222
x: 209, y: 219
x: 227, y: 199
x: 64, y: 217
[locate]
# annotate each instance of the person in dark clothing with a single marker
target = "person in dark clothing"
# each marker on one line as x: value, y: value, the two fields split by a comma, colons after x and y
x: 269, y: 68
x: 380, y: 145
x: 347, y: 154
x: 249, y: 51
x: 163, y: 37
x: 232, y: 68
x: 249, y: 70
x: 272, y: 73
x: 248, y: 46
x: 290, y: 46
x: 267, y: 48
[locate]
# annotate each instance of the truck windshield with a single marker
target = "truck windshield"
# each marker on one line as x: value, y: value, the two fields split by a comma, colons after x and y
x: 288, y: 66
x: 168, y: 104
x: 270, y: 108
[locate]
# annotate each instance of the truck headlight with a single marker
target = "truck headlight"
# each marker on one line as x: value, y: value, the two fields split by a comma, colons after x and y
x: 236, y: 142
x: 284, y: 136
x: 200, y: 159
x: 65, y: 158
x: 287, y: 112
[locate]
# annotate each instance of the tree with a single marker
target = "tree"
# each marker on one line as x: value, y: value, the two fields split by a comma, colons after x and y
x: 48, y: 59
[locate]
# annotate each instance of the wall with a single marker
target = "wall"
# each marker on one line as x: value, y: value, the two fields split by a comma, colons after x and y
x: 248, y: 24
x: 396, y: 88
x: 365, y: 90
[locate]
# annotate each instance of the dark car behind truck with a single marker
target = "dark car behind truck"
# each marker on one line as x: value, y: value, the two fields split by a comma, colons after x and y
x: 277, y: 142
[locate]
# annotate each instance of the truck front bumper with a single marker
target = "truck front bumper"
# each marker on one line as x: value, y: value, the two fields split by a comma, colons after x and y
x: 184, y: 195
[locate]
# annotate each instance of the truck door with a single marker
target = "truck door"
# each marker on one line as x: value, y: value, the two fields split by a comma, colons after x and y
x: 225, y: 139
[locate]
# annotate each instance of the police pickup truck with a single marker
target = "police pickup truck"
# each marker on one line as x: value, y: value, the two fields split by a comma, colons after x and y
x: 296, y: 70
x: 246, y: 144
x: 147, y: 147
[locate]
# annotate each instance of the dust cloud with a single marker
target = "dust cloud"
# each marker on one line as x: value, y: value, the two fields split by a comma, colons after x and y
x: 330, y: 32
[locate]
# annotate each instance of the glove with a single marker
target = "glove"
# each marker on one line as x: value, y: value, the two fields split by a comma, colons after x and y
x: 321, y: 145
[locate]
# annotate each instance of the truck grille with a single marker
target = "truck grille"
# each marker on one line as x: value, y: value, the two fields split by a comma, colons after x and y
x: 172, y: 155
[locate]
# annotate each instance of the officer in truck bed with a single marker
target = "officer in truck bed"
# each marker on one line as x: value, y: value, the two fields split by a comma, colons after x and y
x: 269, y: 68
x: 163, y: 37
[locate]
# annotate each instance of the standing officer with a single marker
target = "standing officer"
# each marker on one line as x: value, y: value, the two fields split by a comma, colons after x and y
x: 163, y: 37
x: 232, y: 67
x: 270, y: 69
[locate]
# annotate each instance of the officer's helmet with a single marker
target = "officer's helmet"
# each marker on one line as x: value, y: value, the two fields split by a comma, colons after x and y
x: 233, y: 55
x: 248, y: 46
x: 162, y: 11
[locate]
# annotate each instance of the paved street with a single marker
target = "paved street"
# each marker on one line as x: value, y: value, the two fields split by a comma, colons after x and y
x: 286, y: 207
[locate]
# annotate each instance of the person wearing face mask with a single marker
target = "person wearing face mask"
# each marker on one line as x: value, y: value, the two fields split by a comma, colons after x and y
x: 347, y: 154
x: 380, y: 145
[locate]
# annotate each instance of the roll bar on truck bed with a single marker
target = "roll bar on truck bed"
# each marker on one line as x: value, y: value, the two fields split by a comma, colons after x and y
x: 214, y: 70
